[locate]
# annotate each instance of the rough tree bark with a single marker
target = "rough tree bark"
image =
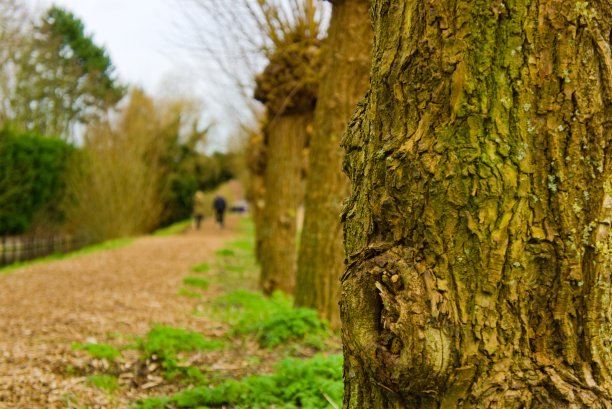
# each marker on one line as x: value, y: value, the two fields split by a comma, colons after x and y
x: 288, y: 87
x: 284, y: 192
x: 477, y: 231
x: 344, y: 81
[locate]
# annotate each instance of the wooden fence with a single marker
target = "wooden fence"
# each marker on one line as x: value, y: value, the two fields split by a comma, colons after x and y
x: 28, y: 247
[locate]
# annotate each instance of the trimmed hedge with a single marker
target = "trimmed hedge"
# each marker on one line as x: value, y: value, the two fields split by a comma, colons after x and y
x: 32, y: 174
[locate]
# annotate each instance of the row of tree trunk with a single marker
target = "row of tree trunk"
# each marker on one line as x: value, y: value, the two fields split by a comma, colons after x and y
x: 477, y: 260
x: 342, y: 81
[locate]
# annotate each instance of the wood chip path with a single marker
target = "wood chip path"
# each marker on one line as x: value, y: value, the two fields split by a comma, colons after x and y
x: 45, y: 308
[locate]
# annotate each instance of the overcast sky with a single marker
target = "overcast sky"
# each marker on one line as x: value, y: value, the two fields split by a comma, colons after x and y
x: 143, y: 38
x: 138, y: 34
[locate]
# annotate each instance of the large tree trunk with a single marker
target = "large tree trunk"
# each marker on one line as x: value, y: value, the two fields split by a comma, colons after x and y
x: 287, y: 135
x: 344, y: 81
x: 479, y: 256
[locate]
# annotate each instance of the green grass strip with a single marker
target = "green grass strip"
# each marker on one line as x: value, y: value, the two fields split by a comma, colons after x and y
x: 173, y: 229
x: 105, y: 246
x: 314, y: 383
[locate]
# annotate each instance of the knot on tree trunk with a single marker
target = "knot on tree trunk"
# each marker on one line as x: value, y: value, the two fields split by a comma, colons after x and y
x: 401, y: 321
x: 289, y: 83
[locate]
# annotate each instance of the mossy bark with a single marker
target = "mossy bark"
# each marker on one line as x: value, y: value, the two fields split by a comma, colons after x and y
x: 477, y: 230
x: 256, y: 164
x: 344, y: 81
x: 284, y: 191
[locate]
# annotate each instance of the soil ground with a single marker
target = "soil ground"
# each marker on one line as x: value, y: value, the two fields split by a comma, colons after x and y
x: 45, y: 308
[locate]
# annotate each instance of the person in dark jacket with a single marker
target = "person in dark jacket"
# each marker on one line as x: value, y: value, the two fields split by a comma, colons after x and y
x: 219, y: 204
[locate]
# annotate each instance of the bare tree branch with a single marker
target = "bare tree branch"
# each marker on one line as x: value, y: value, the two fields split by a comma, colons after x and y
x: 239, y: 37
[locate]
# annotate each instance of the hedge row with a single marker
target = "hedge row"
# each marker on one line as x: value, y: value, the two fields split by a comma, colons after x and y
x: 32, y: 174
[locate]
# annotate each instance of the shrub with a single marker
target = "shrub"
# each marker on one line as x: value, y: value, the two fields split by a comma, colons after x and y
x: 32, y: 179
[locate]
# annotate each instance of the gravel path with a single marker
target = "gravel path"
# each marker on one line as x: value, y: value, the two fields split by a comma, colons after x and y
x: 45, y: 308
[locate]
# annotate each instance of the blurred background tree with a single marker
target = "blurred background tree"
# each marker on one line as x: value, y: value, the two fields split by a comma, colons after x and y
x: 141, y: 168
x: 60, y: 77
x: 273, y: 54
x: 288, y: 88
x: 345, y: 65
x: 14, y: 27
x: 131, y: 164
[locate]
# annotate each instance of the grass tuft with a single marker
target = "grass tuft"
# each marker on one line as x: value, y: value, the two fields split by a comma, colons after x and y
x: 186, y: 292
x: 196, y: 282
x: 225, y: 252
x: 99, y: 351
x: 164, y: 344
x: 315, y: 383
x: 105, y: 382
x: 164, y: 341
x: 201, y: 268
x: 272, y: 320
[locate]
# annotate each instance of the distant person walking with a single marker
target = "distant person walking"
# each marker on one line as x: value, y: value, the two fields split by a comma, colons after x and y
x: 198, y: 208
x: 219, y: 204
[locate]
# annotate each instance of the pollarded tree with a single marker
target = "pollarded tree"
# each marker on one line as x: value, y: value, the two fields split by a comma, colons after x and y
x: 288, y: 88
x: 256, y: 163
x: 344, y: 80
x: 477, y: 231
x: 284, y: 32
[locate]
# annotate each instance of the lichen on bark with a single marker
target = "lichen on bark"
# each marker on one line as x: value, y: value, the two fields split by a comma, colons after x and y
x: 344, y: 81
x: 480, y: 168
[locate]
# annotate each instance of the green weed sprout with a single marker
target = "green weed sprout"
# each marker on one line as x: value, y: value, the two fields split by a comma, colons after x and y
x: 272, y: 320
x: 225, y: 252
x: 315, y: 383
x: 104, y: 382
x: 186, y: 292
x: 165, y: 343
x: 201, y: 268
x: 196, y: 282
x: 99, y: 351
